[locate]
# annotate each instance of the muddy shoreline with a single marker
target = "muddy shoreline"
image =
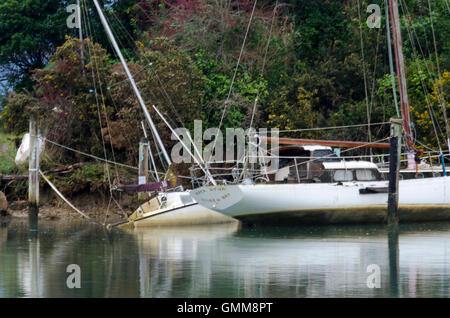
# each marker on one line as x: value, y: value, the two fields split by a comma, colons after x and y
x: 96, y: 207
x: 54, y: 213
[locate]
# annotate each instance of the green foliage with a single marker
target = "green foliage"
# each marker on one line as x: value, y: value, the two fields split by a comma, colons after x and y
x: 168, y: 79
x: 7, y: 153
x: 69, y: 101
x: 319, y: 25
x: 435, y: 102
x: 184, y: 56
x: 91, y: 178
x: 15, y: 114
x: 239, y: 107
x: 300, y: 115
x: 30, y: 30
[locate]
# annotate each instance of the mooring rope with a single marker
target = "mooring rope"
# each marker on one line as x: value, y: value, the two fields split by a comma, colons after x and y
x: 87, y: 154
x: 61, y: 196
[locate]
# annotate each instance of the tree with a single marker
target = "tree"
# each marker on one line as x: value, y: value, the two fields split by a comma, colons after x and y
x: 30, y: 30
x: 70, y: 93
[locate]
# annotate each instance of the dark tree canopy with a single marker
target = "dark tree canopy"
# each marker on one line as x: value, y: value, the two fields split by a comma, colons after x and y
x: 29, y: 31
x: 310, y: 64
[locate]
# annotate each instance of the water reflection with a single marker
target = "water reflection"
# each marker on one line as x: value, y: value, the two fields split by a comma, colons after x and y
x: 295, y: 262
x: 393, y: 248
x: 224, y: 261
x: 33, y: 263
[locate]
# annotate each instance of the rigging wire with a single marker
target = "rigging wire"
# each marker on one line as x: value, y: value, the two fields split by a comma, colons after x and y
x: 335, y: 127
x: 235, y: 72
x: 414, y: 36
x: 95, y: 71
x: 433, y: 116
x: 330, y: 155
x: 87, y: 154
x: 374, y: 78
x: 161, y: 86
x: 369, y: 135
x: 126, y: 54
x: 440, y: 95
x: 264, y: 63
x: 260, y: 83
x: 127, y: 80
x: 391, y: 65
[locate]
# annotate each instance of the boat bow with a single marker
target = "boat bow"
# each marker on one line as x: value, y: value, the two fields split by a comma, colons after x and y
x: 218, y: 198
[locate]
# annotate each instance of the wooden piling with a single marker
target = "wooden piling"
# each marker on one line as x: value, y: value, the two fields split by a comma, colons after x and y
x: 394, y: 169
x: 143, y: 164
x: 33, y: 166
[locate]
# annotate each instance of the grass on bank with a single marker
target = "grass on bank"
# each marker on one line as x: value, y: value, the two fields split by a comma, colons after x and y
x: 8, y: 152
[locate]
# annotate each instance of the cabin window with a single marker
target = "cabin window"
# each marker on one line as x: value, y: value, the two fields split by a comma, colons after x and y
x: 325, y: 155
x: 343, y: 175
x: 365, y: 175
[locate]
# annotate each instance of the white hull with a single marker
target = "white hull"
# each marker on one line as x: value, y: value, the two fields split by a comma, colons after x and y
x: 179, y: 210
x: 419, y: 200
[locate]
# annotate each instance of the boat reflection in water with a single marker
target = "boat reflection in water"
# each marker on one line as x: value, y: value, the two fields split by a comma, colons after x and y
x: 293, y: 262
x: 224, y: 261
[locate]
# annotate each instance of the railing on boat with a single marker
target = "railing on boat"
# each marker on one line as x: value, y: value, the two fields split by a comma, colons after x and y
x: 234, y: 171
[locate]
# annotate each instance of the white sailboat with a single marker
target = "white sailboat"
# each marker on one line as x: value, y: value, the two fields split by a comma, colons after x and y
x: 173, y: 209
x: 344, y: 199
x: 338, y: 202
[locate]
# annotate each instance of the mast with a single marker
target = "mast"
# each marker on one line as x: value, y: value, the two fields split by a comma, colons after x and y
x: 396, y: 140
x: 400, y: 65
x: 133, y: 83
x: 205, y: 169
x: 391, y: 62
x: 79, y: 22
x: 80, y: 34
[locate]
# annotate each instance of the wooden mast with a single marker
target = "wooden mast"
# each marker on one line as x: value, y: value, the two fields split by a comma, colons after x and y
x: 401, y: 75
x: 396, y: 140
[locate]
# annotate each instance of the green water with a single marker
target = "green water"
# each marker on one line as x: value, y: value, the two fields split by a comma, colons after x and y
x: 224, y: 261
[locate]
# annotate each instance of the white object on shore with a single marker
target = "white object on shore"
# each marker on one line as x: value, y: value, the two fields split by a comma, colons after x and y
x: 24, y: 150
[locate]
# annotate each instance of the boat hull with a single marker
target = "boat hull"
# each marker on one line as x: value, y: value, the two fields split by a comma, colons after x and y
x: 174, y: 213
x: 419, y: 200
x: 193, y: 214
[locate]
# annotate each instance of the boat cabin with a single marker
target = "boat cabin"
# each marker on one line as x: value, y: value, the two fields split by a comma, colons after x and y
x: 312, y: 164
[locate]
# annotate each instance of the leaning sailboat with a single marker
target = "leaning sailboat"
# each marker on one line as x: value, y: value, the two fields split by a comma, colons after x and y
x: 347, y: 193
x: 168, y: 206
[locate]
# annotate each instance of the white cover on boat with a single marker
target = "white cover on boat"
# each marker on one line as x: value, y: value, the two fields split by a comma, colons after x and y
x: 24, y: 150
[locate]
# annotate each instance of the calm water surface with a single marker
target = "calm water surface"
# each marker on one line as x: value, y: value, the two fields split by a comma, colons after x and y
x: 224, y: 261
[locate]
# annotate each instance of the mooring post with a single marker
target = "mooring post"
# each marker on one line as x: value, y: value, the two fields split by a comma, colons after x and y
x: 33, y: 166
x: 143, y: 164
x: 394, y: 169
